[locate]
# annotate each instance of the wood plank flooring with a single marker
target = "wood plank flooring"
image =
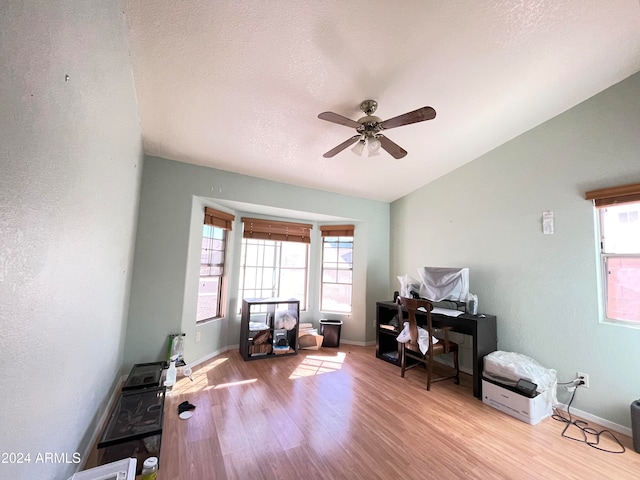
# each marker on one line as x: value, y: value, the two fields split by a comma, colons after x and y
x: 341, y: 413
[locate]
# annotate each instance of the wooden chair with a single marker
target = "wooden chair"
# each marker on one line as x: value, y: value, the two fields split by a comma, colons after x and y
x: 411, y: 349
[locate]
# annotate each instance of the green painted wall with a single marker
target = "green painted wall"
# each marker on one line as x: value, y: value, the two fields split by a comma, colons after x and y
x: 487, y: 215
x: 165, y: 275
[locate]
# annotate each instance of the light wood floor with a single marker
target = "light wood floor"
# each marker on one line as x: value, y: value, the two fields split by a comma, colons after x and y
x: 341, y: 413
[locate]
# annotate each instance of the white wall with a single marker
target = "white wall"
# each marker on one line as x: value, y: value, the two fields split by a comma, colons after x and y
x: 165, y: 275
x: 70, y: 158
x: 543, y: 288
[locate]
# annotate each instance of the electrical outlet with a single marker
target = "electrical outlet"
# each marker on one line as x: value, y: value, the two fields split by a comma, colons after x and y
x: 584, y: 377
x: 197, y: 336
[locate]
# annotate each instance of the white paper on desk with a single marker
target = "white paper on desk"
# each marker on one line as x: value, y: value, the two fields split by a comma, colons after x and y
x: 449, y: 312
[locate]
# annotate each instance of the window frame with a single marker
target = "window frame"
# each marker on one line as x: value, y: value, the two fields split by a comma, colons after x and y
x: 216, y: 221
x: 339, y: 239
x: 339, y: 232
x: 602, y: 200
x: 219, y: 313
x: 605, y: 271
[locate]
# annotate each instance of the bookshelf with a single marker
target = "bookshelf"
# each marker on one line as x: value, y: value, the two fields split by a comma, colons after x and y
x: 269, y: 328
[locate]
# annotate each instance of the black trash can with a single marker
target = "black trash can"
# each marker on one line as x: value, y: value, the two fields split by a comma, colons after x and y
x: 635, y: 425
x: 330, y: 329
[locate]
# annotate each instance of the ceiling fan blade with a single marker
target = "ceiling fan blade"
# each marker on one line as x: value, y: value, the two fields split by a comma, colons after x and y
x: 335, y: 118
x: 342, y: 146
x: 395, y: 150
x: 420, y: 115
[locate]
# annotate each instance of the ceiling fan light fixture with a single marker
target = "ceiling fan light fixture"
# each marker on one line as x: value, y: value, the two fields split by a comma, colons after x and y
x: 358, y: 147
x: 374, y: 146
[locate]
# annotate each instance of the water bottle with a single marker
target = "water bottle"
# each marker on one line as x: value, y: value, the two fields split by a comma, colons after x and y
x: 472, y: 304
x: 171, y: 373
x: 150, y: 469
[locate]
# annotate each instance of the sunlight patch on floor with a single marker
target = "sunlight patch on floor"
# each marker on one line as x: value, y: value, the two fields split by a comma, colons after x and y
x: 211, y: 365
x: 318, y: 364
x: 196, y: 383
x: 235, y: 384
x: 198, y: 380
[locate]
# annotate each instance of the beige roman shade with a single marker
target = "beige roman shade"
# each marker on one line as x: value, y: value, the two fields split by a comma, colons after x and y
x: 217, y: 218
x: 264, y: 229
x: 337, y: 230
x: 615, y: 195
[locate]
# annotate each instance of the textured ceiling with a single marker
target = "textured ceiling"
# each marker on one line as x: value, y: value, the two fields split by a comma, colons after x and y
x: 238, y: 85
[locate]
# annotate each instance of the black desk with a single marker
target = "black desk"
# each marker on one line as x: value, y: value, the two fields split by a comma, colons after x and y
x: 481, y: 329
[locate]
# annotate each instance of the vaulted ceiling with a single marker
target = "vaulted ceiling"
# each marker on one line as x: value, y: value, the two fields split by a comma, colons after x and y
x: 238, y: 85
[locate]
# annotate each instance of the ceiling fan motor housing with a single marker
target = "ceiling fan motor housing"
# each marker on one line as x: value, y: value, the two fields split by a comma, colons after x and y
x: 369, y: 126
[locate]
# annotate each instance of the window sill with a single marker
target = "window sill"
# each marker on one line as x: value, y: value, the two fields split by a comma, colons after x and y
x: 621, y: 323
x: 209, y: 320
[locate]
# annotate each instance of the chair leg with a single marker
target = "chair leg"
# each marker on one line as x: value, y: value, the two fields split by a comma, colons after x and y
x: 403, y: 361
x: 429, y: 372
x: 457, y: 366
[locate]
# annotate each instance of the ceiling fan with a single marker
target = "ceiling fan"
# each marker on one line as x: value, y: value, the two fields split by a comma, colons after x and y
x: 369, y: 128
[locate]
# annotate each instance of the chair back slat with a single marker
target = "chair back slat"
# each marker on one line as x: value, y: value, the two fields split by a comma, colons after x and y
x: 412, y: 305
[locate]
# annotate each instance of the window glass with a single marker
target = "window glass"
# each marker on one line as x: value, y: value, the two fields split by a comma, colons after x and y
x: 274, y: 269
x: 620, y: 256
x: 337, y: 274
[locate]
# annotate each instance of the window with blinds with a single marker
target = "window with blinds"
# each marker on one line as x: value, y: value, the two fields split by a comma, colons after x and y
x: 274, y: 260
x: 337, y: 268
x: 212, y: 260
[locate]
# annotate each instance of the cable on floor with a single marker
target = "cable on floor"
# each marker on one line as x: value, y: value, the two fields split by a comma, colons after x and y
x: 584, y: 428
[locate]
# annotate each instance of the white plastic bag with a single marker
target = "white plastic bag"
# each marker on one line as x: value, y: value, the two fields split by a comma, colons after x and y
x: 423, y: 337
x: 408, y: 285
x: 509, y: 367
x: 443, y: 283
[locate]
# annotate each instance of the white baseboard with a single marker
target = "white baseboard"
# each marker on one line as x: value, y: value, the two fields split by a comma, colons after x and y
x: 213, y: 354
x: 600, y: 421
x: 359, y: 344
